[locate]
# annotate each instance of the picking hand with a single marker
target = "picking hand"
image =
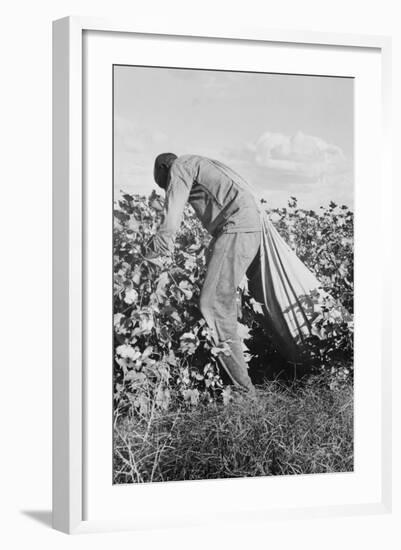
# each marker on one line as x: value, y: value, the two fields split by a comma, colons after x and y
x: 156, y: 202
x: 155, y: 259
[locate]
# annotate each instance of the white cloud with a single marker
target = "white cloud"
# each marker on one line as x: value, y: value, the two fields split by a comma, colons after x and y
x: 279, y: 166
x: 300, y: 155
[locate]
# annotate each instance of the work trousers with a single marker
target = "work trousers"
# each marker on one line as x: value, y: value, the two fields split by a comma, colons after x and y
x: 229, y: 257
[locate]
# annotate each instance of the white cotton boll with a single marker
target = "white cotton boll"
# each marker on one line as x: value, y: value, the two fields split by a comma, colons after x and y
x: 131, y: 296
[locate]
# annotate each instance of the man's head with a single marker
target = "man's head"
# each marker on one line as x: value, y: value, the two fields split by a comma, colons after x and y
x: 162, y: 167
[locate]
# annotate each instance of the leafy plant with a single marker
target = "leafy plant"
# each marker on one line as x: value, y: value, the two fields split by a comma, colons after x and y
x: 163, y: 351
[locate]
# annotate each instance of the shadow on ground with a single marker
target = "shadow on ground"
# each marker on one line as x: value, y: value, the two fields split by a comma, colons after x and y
x: 41, y: 516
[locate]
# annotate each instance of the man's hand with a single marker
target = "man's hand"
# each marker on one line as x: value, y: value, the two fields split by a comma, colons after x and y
x: 156, y: 202
x: 156, y: 261
x: 153, y: 257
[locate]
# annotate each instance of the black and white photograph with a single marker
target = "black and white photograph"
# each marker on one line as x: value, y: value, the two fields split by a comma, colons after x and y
x: 201, y: 254
x: 233, y: 255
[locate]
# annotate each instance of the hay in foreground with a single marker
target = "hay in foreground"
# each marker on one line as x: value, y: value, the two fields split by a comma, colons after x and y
x: 304, y: 428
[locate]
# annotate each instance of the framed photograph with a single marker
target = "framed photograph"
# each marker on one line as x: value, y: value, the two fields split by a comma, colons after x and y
x: 219, y: 265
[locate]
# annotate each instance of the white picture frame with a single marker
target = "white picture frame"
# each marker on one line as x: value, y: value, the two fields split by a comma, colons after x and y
x: 70, y: 257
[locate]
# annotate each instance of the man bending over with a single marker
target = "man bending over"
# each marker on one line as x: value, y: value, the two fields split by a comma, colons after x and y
x: 229, y: 212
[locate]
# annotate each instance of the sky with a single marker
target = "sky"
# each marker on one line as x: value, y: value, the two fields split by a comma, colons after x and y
x: 288, y: 135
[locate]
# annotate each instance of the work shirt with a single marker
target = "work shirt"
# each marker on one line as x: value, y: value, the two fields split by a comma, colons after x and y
x: 218, y: 195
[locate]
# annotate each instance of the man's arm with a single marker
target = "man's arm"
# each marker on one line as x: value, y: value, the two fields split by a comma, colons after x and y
x: 178, y: 189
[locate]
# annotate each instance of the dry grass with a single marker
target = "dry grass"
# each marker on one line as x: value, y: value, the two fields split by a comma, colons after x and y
x: 302, y: 429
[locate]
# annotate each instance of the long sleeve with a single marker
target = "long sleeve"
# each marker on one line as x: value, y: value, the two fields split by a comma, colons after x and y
x: 179, y: 187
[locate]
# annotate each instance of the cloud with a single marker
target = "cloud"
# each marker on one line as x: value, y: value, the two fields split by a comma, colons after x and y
x: 279, y: 166
x: 300, y: 157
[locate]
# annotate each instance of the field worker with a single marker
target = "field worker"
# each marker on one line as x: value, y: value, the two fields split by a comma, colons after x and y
x: 229, y: 212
